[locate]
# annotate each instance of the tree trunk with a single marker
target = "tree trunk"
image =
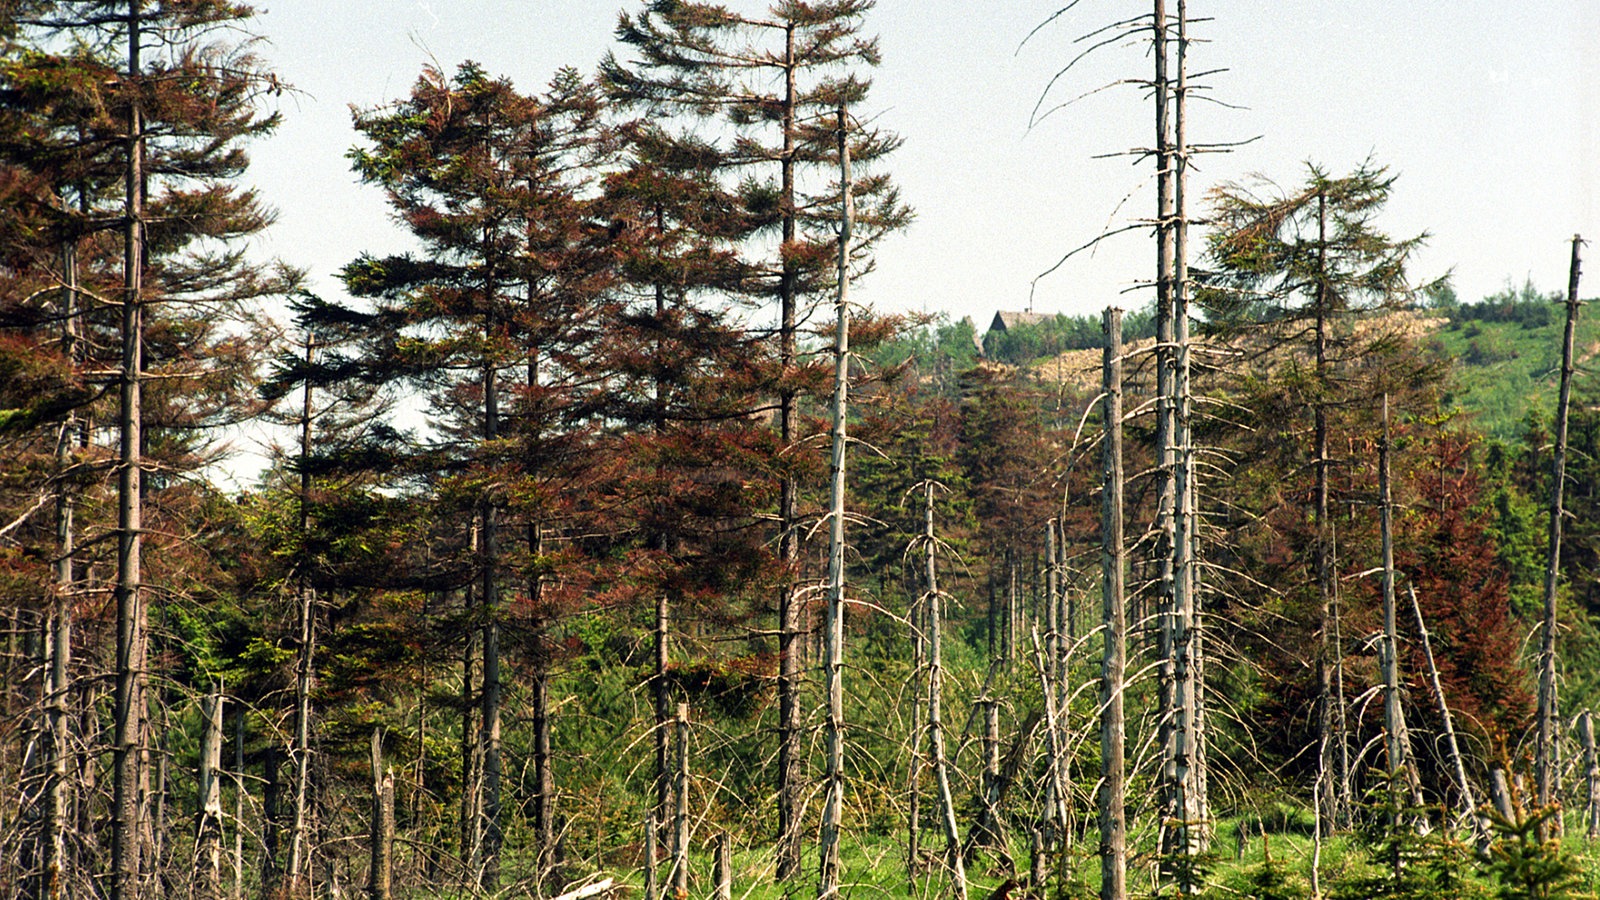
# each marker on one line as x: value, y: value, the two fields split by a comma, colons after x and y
x: 723, y: 868
x: 789, y: 602
x: 299, y: 836
x: 1057, y: 784
x: 1169, y: 800
x: 652, y: 888
x: 544, y: 830
x: 128, y: 817
x: 1185, y: 757
x: 1397, y: 739
x: 58, y: 636
x: 988, y: 831
x: 680, y: 809
x: 1591, y: 777
x: 380, y: 873
x: 833, y: 798
x: 238, y: 802
x: 208, y: 829
x: 663, y: 713
x: 1545, y: 765
x: 918, y: 614
x: 941, y: 766
x: 1113, y: 565
x: 1469, y: 803
x: 471, y: 749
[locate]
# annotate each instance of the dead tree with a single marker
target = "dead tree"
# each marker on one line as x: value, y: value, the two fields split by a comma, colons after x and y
x: 1397, y: 740
x: 129, y: 732
x: 1469, y: 803
x: 1591, y: 776
x: 1548, y: 777
x: 1113, y: 565
x: 833, y: 802
x: 941, y: 765
x: 380, y: 873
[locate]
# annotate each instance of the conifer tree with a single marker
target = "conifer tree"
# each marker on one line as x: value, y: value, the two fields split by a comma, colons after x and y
x: 495, y: 320
x: 138, y: 115
x: 702, y: 61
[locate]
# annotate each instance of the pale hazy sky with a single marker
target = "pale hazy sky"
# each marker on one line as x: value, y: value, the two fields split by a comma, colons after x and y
x: 1486, y: 109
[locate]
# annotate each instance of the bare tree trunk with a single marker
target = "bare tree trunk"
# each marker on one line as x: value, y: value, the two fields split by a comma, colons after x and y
x: 652, y: 887
x: 471, y: 749
x: 833, y: 797
x: 723, y: 866
x: 1469, y: 803
x: 1056, y: 777
x: 488, y: 741
x: 680, y: 809
x: 1545, y: 761
x: 1113, y: 565
x: 988, y: 830
x: 1396, y: 738
x: 208, y: 829
x: 790, y: 645
x: 299, y: 836
x: 544, y: 828
x: 128, y: 816
x: 58, y: 634
x: 1186, y: 750
x: 663, y: 712
x: 238, y: 802
x: 919, y: 615
x: 380, y: 873
x: 1500, y: 793
x: 1591, y: 777
x: 941, y: 765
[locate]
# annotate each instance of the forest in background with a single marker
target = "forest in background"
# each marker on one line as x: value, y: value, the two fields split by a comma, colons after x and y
x: 554, y: 579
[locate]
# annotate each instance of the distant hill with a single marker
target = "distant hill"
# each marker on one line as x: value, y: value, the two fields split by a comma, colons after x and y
x: 1505, y: 360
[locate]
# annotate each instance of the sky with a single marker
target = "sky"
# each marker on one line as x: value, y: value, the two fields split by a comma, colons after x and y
x: 1485, y: 110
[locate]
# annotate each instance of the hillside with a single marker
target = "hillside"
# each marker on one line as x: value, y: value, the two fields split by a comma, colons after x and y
x: 1500, y: 368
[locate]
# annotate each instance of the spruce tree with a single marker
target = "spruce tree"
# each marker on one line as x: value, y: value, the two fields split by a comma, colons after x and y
x: 767, y: 84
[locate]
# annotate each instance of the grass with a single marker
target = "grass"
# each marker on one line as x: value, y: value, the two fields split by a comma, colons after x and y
x: 1502, y: 370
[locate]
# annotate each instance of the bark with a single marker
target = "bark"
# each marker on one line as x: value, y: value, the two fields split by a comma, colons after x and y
x: 1397, y: 739
x: 1500, y: 794
x: 1162, y: 550
x: 988, y: 830
x: 789, y: 603
x: 299, y: 835
x: 1113, y: 565
x: 471, y: 750
x: 652, y: 888
x: 941, y: 765
x: 208, y: 829
x: 128, y: 816
x: 380, y: 873
x: 919, y: 636
x: 1546, y: 767
x: 833, y: 802
x: 680, y: 808
x: 1591, y: 777
x: 663, y: 712
x: 1056, y: 778
x: 238, y: 802
x: 488, y: 828
x: 1469, y: 803
x: 58, y: 637
x: 543, y: 775
x: 724, y: 868
x: 1187, y: 815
